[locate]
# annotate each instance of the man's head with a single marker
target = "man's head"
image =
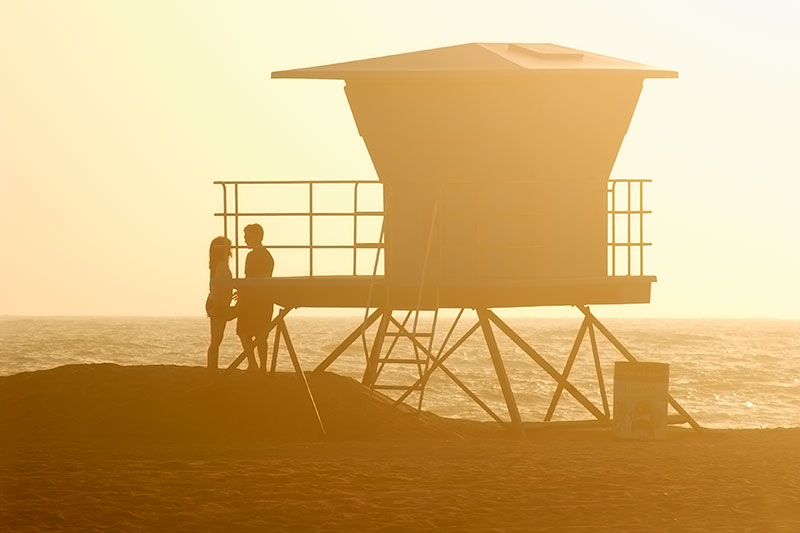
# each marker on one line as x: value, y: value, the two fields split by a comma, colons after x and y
x: 253, y: 235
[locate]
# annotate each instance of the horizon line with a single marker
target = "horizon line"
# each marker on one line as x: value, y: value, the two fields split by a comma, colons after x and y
x: 359, y: 314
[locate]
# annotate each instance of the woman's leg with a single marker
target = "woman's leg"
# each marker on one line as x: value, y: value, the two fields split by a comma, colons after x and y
x: 217, y: 333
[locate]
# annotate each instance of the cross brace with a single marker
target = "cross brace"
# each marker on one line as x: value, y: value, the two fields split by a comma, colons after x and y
x: 487, y: 321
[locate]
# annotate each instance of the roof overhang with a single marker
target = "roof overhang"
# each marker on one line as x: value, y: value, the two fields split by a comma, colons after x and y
x: 481, y: 60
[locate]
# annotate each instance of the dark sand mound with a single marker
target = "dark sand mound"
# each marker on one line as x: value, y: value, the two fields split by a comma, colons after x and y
x: 159, y: 404
x: 165, y: 448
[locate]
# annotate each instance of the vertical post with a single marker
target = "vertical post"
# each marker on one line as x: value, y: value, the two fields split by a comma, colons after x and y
x: 614, y: 229
x: 236, y: 225
x: 500, y: 370
x: 355, y: 226
x: 641, y: 228
x: 629, y: 228
x: 225, y: 210
x: 310, y: 229
x: 377, y: 345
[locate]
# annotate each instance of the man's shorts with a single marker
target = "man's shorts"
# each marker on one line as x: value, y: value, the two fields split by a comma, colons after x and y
x: 254, y: 322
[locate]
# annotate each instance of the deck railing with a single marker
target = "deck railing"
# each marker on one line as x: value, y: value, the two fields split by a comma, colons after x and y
x: 310, y: 208
x: 626, y: 226
x: 360, y: 203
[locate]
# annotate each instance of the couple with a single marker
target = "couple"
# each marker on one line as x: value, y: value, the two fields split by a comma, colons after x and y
x: 253, y: 305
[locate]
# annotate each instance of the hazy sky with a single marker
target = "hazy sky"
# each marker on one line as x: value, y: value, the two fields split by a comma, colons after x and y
x: 115, y: 118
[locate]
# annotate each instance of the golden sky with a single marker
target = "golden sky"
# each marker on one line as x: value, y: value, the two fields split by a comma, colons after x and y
x: 115, y: 118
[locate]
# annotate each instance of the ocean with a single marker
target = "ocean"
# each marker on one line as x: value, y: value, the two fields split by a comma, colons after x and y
x: 726, y: 373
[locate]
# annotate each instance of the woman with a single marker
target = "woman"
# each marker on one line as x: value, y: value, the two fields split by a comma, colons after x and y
x: 220, y: 294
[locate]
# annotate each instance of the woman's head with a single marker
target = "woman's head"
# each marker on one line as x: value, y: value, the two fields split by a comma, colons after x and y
x: 220, y: 250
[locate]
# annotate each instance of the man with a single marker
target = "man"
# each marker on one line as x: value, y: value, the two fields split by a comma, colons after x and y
x: 254, y: 304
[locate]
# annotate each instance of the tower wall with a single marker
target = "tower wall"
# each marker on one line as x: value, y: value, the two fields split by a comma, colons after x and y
x: 520, y: 165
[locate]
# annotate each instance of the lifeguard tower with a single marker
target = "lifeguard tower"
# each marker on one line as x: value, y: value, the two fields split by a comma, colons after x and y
x: 494, y: 161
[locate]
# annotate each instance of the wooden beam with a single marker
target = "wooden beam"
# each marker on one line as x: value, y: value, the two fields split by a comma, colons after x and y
x: 500, y: 370
x: 547, y: 367
x: 599, y: 370
x: 472, y: 395
x: 349, y: 340
x: 273, y: 365
x: 567, y: 369
x: 629, y: 356
x: 438, y: 361
x: 424, y: 373
x: 299, y: 371
x: 370, y: 372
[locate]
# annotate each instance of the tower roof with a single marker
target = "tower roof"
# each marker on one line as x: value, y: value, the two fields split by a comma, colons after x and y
x: 476, y: 59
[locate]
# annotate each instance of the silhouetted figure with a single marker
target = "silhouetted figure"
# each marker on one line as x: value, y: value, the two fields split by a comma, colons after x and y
x: 255, y: 305
x: 220, y: 294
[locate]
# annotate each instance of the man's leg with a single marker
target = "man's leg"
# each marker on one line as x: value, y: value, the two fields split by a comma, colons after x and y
x: 244, y: 329
x: 262, y: 344
x: 249, y: 345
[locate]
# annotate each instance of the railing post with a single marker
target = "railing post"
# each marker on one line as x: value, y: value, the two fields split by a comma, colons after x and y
x: 628, y: 212
x: 613, y: 228
x: 236, y: 224
x: 355, y: 227
x: 641, y: 228
x: 629, y: 227
x: 310, y: 229
x: 224, y: 209
x: 311, y: 214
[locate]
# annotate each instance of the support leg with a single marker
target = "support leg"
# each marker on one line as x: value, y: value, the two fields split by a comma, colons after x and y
x: 547, y: 367
x: 500, y: 370
x: 262, y: 344
x: 273, y: 365
x: 284, y: 332
x: 599, y: 370
x: 629, y: 356
x: 567, y: 369
x: 370, y: 372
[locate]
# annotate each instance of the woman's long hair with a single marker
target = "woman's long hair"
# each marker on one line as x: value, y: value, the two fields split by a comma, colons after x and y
x: 219, y: 250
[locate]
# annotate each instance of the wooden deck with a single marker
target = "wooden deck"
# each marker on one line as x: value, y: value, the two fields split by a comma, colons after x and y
x: 363, y: 291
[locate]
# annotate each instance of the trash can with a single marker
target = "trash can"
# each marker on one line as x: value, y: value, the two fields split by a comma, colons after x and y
x: 641, y: 394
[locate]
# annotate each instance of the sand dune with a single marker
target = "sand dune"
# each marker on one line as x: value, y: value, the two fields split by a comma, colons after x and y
x: 171, y: 448
x: 175, y: 404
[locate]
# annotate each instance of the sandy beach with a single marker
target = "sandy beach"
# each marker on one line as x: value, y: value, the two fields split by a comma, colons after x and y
x: 166, y: 448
